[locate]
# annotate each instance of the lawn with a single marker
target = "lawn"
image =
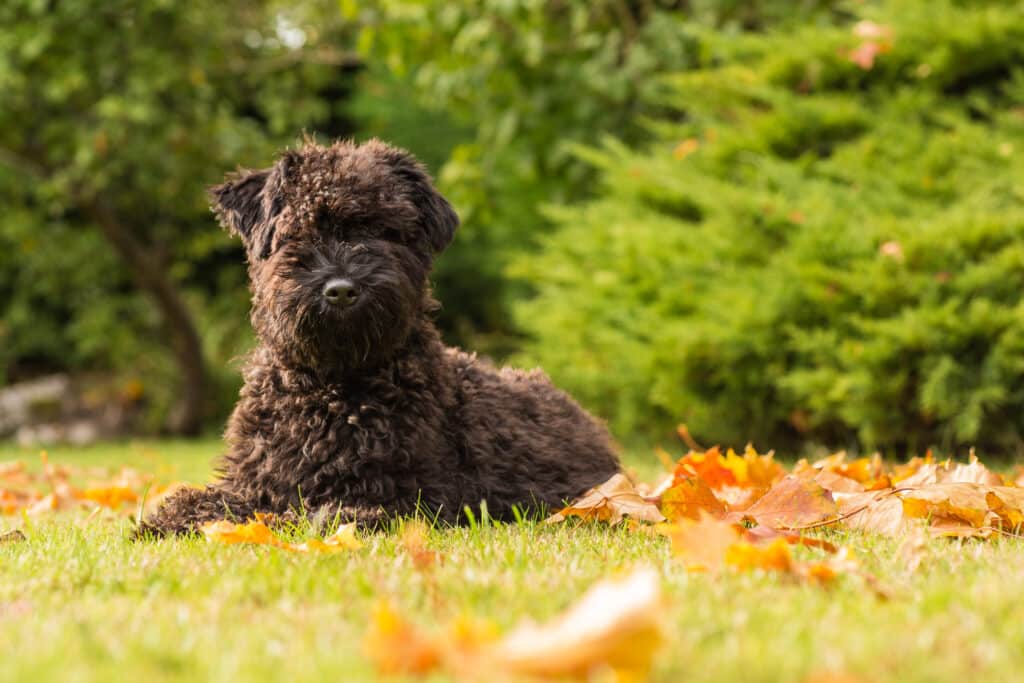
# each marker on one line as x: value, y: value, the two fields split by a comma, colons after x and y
x: 78, y: 601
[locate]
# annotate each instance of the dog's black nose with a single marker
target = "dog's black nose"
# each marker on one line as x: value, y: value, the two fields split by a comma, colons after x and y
x: 340, y: 292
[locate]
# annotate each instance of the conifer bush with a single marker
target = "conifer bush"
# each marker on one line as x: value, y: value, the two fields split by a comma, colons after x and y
x: 824, y: 245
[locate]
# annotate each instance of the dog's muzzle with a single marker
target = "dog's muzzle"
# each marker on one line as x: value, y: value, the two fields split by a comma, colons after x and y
x: 340, y: 292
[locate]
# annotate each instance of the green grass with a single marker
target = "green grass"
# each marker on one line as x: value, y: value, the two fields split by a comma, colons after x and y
x: 80, y: 602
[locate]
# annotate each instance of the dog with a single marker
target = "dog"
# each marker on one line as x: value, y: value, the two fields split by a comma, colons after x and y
x: 352, y: 406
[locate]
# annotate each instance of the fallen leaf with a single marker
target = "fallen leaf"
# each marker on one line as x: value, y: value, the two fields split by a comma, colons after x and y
x: 342, y: 539
x: 15, y: 536
x: 616, y: 625
x: 111, y: 496
x: 764, y: 534
x: 762, y: 471
x: 396, y: 647
x: 863, y: 470
x: 227, y: 532
x: 701, y: 544
x: 796, y: 501
x: 256, y: 532
x: 413, y: 540
x: 964, y: 502
x: 11, y: 501
x: 610, y: 502
x: 952, y: 473
x: 834, y: 482
x: 912, y: 550
x: 745, y: 556
x: 879, y: 512
x: 737, y: 498
x: 687, y: 498
x: 708, y: 465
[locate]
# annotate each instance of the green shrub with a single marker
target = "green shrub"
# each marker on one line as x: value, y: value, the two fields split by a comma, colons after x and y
x: 814, y: 250
x: 527, y: 80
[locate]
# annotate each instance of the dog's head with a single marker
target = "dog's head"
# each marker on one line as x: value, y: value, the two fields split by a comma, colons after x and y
x: 340, y: 241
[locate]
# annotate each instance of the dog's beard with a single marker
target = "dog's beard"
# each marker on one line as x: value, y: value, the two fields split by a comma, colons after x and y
x: 311, y: 333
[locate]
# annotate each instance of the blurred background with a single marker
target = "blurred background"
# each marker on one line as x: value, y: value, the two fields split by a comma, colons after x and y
x: 792, y: 222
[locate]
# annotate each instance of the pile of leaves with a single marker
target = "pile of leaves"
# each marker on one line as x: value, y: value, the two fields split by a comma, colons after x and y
x: 745, y: 511
x: 51, y: 488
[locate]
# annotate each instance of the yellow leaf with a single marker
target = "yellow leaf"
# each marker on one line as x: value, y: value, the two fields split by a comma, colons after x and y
x: 111, y: 496
x: 745, y: 556
x: 342, y: 539
x: 616, y: 625
x: 255, y: 532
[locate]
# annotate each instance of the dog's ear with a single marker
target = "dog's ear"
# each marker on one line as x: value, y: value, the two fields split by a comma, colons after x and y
x: 238, y: 203
x: 437, y: 217
x: 248, y: 203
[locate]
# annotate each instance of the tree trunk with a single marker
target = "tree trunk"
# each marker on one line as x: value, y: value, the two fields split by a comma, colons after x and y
x: 152, y: 278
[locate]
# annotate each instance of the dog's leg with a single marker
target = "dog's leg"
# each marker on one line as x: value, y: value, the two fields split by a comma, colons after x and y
x: 185, y: 511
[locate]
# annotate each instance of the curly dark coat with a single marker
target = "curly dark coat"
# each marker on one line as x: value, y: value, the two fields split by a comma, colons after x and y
x: 353, y: 405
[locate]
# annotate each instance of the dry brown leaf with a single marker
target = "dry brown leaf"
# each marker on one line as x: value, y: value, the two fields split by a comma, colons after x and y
x: 962, y: 501
x: 1008, y: 503
x: 615, y: 626
x: 794, y: 502
x: 610, y: 502
x: 879, y: 512
x: 913, y: 548
x: 653, y: 493
x: 837, y: 483
x: 951, y: 473
x: 15, y: 536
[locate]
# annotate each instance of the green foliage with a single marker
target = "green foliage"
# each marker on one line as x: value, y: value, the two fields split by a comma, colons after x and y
x: 528, y: 79
x: 114, y: 118
x: 835, y: 253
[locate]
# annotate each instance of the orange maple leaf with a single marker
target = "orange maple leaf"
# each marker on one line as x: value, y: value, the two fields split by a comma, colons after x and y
x: 687, y: 498
x: 795, y: 501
